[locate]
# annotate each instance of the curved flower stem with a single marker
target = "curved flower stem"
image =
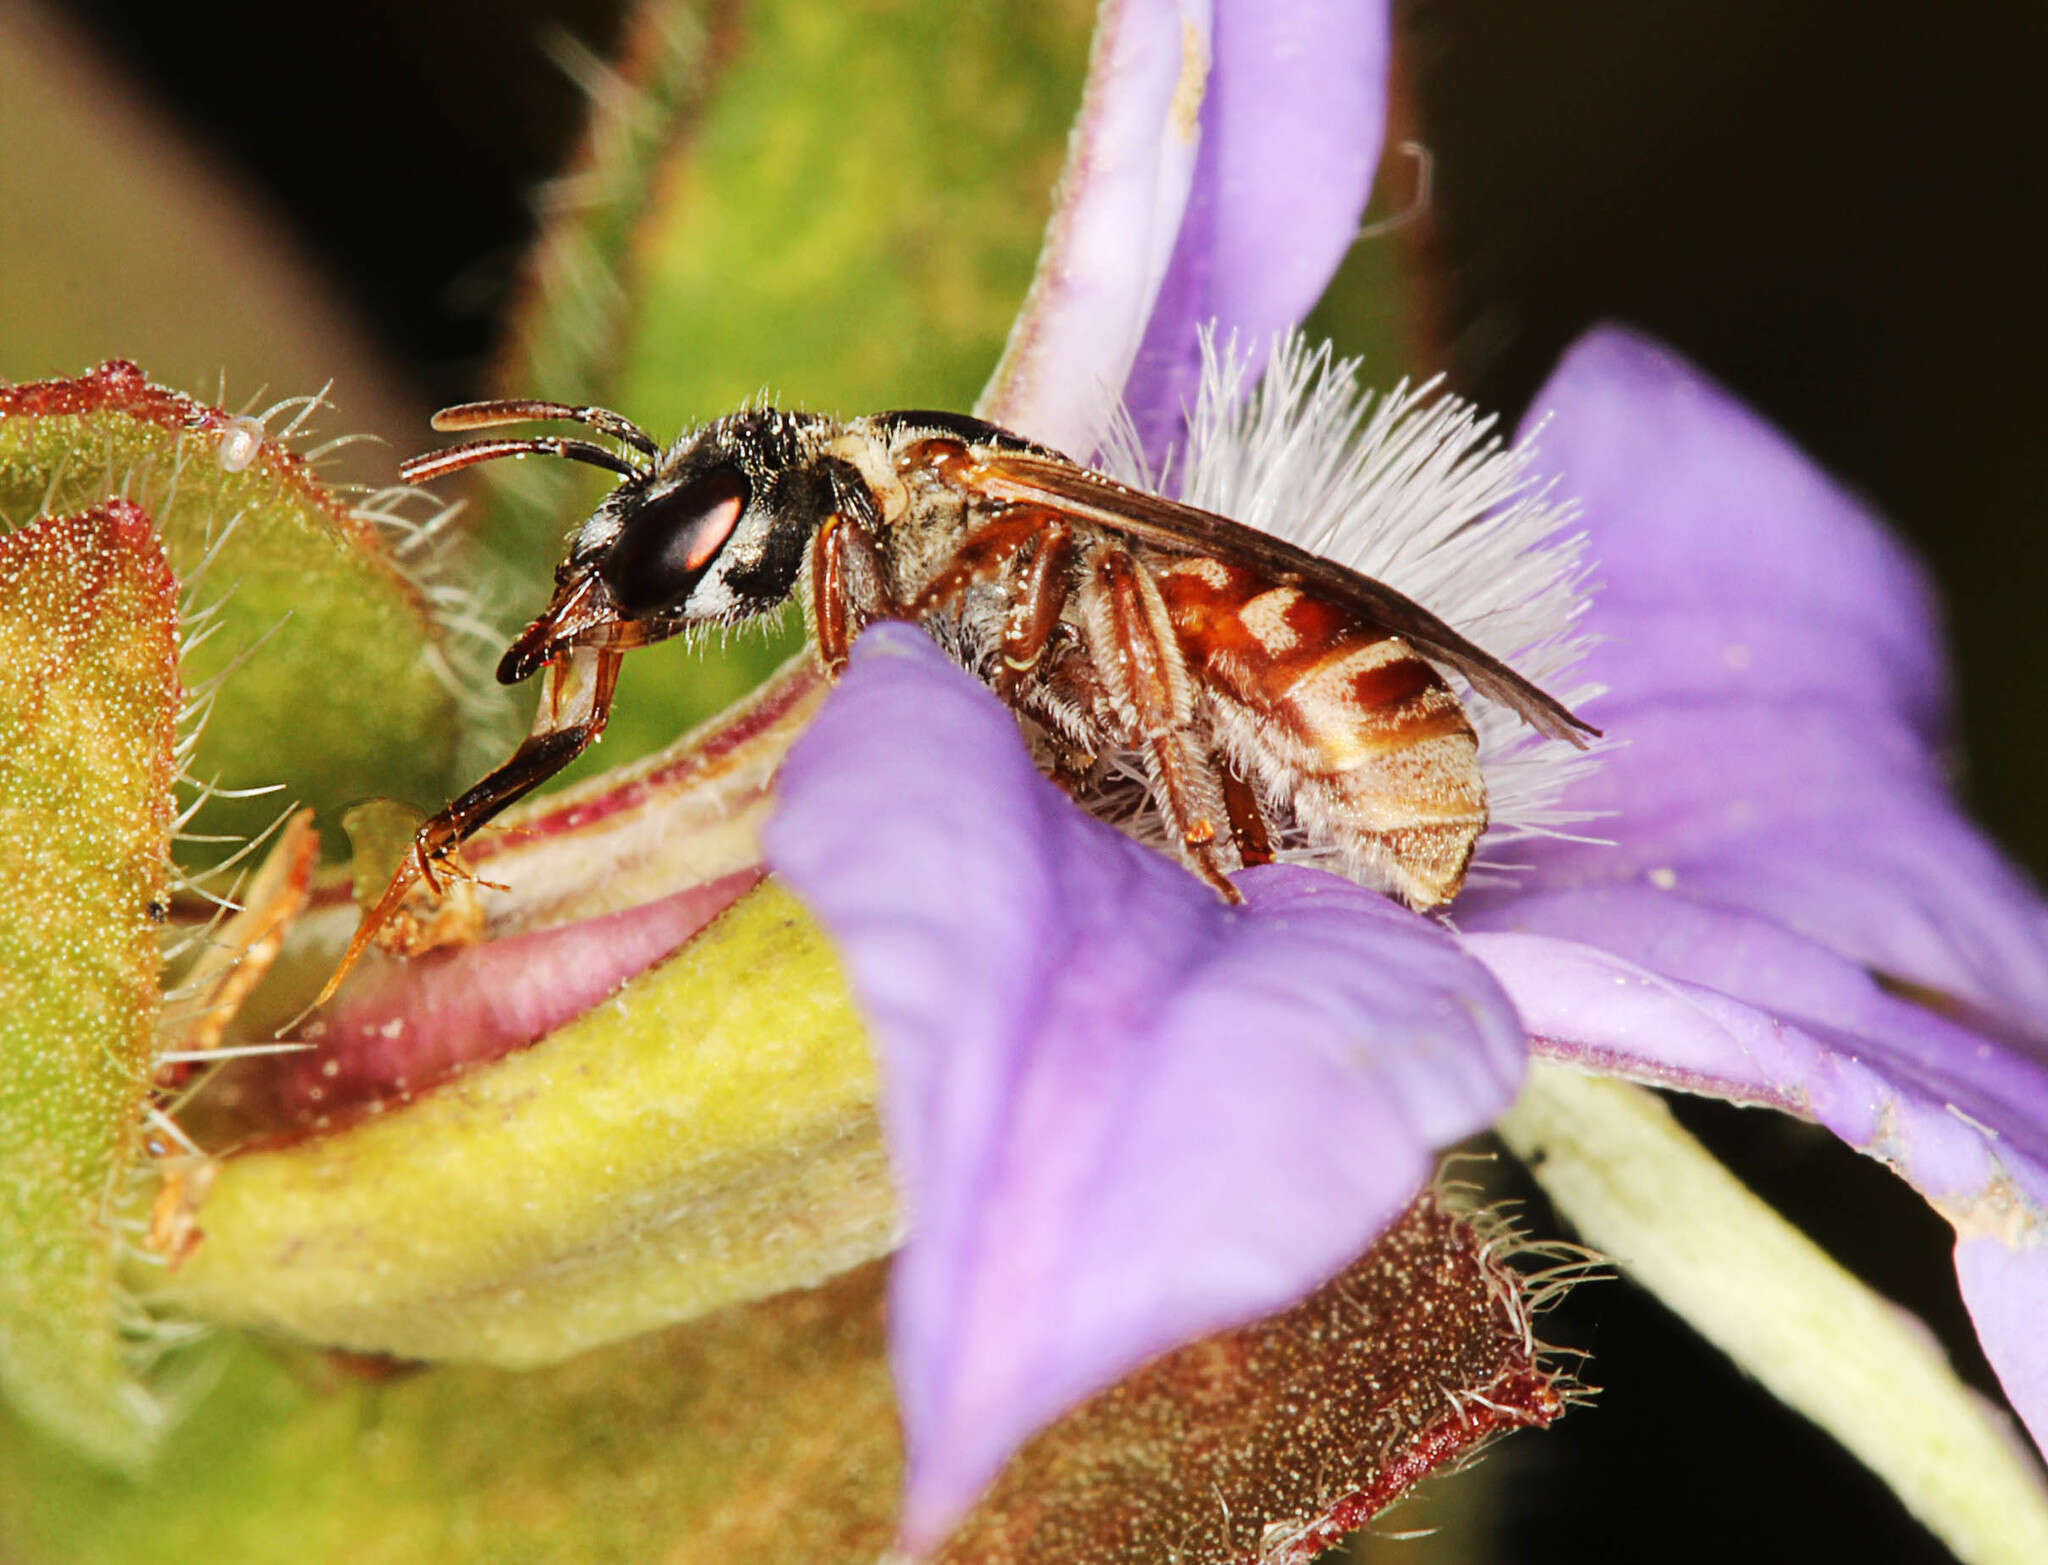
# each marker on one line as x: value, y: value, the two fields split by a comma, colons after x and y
x: 1619, y: 1167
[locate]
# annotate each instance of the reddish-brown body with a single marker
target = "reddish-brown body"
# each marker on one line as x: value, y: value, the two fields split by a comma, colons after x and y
x: 1361, y: 735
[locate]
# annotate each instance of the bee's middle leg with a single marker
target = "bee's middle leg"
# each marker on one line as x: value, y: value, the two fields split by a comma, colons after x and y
x: 1038, y: 597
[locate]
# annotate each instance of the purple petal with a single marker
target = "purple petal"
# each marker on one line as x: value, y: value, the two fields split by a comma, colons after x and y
x: 1697, y: 509
x: 1774, y: 669
x: 1121, y: 197
x: 1193, y: 193
x: 1291, y: 132
x: 2007, y: 1294
x: 1662, y: 989
x: 1121, y: 1113
x: 1989, y: 1080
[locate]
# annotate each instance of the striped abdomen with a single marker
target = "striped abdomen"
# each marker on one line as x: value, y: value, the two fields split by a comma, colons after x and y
x: 1338, y: 719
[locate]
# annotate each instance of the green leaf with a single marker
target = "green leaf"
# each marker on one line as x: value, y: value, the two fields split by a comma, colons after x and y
x: 89, y: 701
x: 349, y: 694
x: 856, y: 219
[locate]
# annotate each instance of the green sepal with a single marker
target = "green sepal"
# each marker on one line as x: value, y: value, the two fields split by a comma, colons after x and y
x: 768, y: 1433
x: 763, y: 1434
x: 89, y: 700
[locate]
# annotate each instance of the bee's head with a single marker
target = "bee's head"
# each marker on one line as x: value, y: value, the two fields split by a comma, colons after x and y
x: 711, y: 532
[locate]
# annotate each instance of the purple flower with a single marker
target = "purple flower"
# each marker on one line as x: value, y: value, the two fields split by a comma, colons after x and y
x: 1788, y: 864
x: 1221, y: 162
x: 1122, y: 1114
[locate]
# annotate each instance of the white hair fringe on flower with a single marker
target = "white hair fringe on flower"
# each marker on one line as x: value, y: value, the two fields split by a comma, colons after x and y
x: 1415, y: 488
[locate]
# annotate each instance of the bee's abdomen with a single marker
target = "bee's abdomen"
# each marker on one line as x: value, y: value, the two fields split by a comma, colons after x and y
x: 1343, y: 721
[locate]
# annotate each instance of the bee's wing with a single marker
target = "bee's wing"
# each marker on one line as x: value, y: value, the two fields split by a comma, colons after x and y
x: 1022, y: 477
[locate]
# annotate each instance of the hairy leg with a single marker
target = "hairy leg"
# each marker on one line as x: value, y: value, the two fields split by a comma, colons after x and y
x: 1138, y: 657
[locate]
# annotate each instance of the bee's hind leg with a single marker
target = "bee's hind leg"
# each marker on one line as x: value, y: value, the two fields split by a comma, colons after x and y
x: 1137, y: 656
x: 1247, y: 817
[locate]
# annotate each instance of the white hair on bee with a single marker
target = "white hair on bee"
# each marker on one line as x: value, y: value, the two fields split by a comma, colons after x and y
x: 1417, y: 489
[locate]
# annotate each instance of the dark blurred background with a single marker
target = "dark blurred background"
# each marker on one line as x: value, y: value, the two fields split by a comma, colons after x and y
x: 402, y: 146
x: 1830, y: 205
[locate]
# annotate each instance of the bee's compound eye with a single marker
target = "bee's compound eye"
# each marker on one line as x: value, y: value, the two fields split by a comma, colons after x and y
x: 670, y: 537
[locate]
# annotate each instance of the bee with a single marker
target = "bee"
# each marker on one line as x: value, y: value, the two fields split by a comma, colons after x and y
x: 1255, y: 681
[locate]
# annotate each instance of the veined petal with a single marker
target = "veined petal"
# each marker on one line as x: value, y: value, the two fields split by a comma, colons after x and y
x: 1223, y: 155
x: 1121, y: 1113
x: 1668, y: 991
x: 1777, y: 690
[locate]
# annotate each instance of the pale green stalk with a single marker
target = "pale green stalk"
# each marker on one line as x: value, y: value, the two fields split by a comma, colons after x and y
x: 1621, y: 1170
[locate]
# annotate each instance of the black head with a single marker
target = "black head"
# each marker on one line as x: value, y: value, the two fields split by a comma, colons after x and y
x: 712, y: 531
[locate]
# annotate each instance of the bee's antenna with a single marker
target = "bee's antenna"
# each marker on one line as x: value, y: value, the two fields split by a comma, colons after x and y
x: 432, y: 464
x: 488, y: 415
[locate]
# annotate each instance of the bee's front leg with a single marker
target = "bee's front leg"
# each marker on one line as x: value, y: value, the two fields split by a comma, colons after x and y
x: 572, y: 713
x: 849, y: 587
x: 574, y: 704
